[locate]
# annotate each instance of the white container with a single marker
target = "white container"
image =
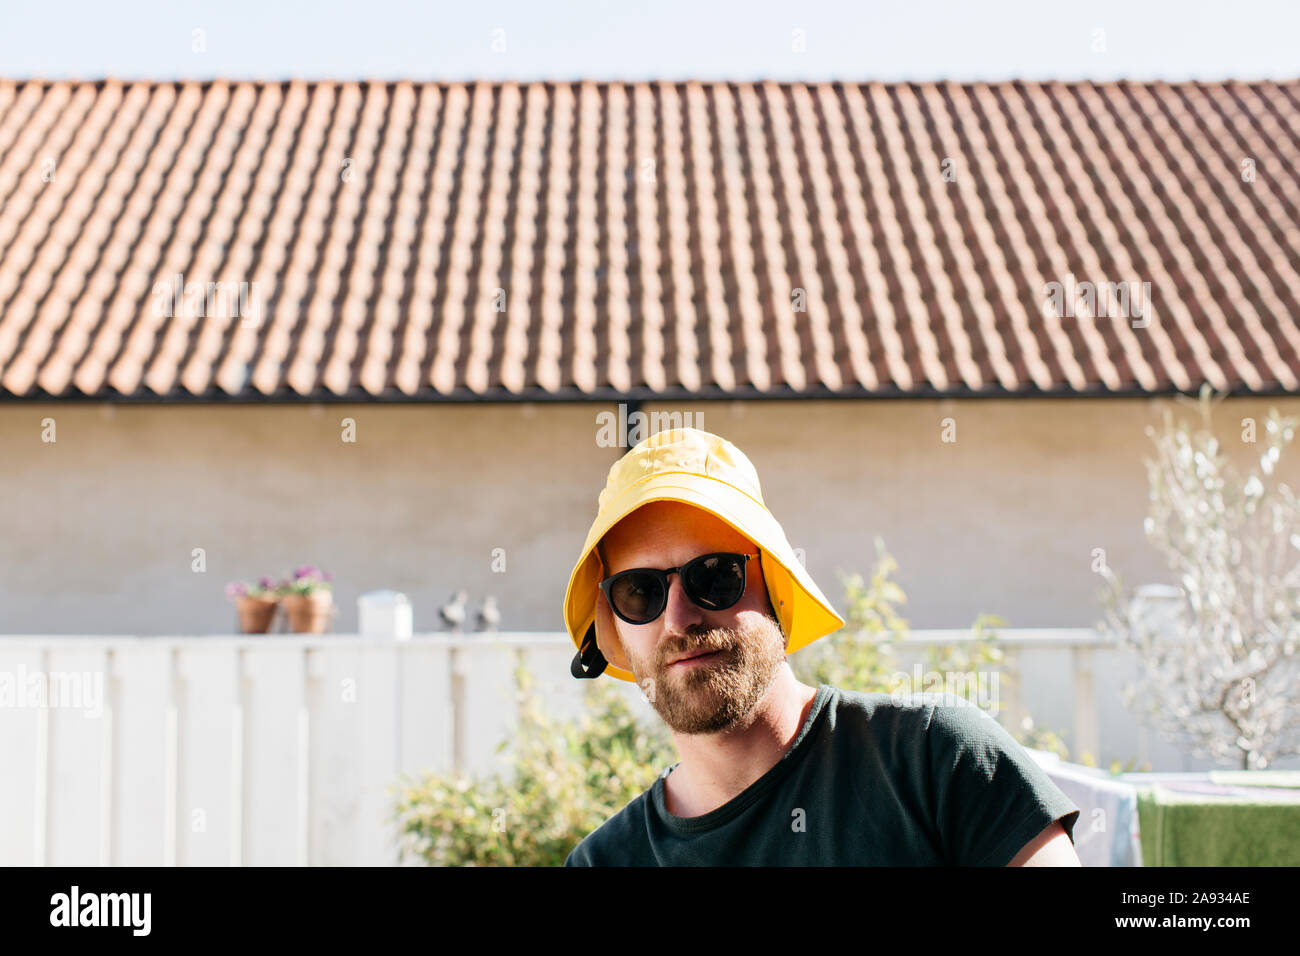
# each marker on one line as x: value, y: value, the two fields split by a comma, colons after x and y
x: 385, y: 615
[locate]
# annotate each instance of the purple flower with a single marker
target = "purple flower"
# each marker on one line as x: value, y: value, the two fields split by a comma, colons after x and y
x: 236, y: 589
x: 266, y: 582
x: 306, y: 579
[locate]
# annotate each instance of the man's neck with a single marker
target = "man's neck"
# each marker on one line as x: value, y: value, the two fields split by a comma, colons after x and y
x: 715, y: 768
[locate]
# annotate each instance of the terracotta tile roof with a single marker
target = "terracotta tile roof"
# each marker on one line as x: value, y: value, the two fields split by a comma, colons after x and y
x: 402, y: 240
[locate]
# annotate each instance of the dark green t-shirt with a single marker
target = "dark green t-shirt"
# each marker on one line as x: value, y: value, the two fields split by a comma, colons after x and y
x: 927, y: 780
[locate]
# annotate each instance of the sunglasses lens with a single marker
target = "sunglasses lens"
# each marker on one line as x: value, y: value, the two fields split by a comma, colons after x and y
x: 638, y: 596
x: 717, y: 582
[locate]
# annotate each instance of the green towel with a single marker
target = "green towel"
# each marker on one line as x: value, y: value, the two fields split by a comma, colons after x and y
x: 1257, y: 778
x: 1191, y: 829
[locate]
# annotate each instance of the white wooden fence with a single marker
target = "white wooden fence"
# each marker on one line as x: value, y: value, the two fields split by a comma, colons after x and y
x: 278, y: 750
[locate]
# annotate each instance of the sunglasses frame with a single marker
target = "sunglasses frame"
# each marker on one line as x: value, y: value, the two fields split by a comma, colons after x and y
x: 662, y: 575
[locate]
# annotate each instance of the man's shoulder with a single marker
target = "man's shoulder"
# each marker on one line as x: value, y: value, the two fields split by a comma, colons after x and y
x: 622, y: 830
x: 863, y: 706
x: 901, y: 702
x: 916, y: 716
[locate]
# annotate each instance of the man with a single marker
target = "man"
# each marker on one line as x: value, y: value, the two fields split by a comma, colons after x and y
x: 688, y: 586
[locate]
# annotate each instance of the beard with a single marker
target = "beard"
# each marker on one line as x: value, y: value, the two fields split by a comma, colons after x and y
x: 718, y: 694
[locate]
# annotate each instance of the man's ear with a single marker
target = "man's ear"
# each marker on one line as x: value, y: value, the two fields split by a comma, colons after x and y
x: 607, y: 639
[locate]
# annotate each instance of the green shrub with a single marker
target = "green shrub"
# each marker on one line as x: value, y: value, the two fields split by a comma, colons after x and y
x: 860, y: 656
x: 565, y: 780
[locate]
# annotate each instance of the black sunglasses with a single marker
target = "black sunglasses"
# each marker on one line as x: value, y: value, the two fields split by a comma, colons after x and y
x: 713, y: 581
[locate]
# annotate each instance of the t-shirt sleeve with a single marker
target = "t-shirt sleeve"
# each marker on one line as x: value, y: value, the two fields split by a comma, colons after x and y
x: 578, y: 856
x: 988, y: 795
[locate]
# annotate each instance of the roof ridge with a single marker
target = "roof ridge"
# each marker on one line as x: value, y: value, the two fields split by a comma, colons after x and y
x: 551, y: 82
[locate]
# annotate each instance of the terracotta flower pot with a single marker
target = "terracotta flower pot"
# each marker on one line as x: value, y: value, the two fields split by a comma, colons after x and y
x: 309, y: 613
x: 256, y: 614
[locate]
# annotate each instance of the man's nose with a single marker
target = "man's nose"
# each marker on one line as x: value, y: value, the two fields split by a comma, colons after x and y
x: 681, y: 612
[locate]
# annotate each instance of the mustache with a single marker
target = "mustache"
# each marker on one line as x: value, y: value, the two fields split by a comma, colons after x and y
x: 712, y: 639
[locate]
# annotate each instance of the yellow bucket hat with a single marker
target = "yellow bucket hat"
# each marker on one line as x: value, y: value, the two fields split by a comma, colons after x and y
x: 700, y: 469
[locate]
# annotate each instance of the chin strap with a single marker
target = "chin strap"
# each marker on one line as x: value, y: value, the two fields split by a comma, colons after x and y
x: 588, y: 663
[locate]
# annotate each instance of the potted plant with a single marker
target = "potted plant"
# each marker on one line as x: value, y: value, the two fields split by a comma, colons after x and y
x: 255, y: 603
x: 308, y: 600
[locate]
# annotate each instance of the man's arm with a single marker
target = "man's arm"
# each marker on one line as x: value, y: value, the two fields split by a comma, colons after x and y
x: 1052, y: 847
x: 989, y: 796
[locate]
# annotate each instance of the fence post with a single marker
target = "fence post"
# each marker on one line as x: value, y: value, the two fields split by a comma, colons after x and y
x: 41, y: 798
x: 237, y: 761
x: 459, y: 668
x: 171, y: 756
x: 1011, y: 695
x: 1086, y: 732
x: 305, y: 804
x: 108, y: 756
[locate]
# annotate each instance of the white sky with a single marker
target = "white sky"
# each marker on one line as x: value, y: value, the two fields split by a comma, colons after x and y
x: 665, y: 39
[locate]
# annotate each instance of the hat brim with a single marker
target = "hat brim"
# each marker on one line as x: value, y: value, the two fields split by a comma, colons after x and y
x: 803, y: 611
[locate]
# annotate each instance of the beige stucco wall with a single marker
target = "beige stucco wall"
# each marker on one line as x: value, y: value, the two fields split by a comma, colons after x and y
x: 98, y: 528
